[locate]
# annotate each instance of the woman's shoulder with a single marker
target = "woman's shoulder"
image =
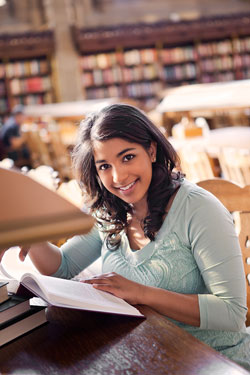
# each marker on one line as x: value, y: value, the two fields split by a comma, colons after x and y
x: 192, y: 206
x: 193, y: 191
x: 192, y: 196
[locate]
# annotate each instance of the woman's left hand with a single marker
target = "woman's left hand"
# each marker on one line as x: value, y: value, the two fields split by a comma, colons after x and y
x: 118, y: 285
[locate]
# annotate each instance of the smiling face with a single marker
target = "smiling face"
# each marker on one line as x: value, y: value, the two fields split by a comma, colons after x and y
x: 125, y: 168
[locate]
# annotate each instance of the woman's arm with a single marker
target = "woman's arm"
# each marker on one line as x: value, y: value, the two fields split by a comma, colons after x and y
x: 208, y: 230
x: 217, y: 252
x: 181, y: 307
x: 65, y: 262
x: 78, y: 253
x: 45, y: 256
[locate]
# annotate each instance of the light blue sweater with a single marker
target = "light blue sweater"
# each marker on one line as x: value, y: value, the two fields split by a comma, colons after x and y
x: 196, y: 251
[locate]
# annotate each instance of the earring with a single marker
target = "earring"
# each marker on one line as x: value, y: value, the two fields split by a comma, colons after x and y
x: 154, y: 159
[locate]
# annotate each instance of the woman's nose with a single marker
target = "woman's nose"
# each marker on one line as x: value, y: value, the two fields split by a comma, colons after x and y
x: 119, y: 175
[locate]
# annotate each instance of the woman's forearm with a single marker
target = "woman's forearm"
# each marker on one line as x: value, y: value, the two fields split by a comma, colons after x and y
x: 181, y: 307
x: 46, y: 257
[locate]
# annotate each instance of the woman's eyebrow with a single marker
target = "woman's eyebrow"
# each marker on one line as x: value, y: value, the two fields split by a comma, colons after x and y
x: 119, y: 154
x: 125, y: 150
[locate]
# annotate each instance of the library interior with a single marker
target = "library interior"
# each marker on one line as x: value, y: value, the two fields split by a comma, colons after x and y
x: 182, y: 66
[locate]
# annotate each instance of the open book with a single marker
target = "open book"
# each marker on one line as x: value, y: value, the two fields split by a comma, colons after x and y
x: 71, y: 294
x: 32, y: 213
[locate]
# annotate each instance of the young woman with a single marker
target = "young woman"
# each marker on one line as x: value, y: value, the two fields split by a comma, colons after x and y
x: 164, y: 242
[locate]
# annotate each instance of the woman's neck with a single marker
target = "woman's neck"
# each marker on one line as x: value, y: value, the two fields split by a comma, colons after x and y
x: 140, y: 210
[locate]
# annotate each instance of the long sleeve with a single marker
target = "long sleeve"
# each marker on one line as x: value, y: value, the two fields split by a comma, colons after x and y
x: 216, y: 249
x: 78, y: 253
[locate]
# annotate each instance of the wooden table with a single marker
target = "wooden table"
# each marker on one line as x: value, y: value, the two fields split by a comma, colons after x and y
x: 213, y: 143
x: 206, y: 96
x: 79, y: 342
x: 234, y: 136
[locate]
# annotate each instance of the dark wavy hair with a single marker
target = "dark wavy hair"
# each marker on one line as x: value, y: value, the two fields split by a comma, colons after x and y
x: 131, y: 124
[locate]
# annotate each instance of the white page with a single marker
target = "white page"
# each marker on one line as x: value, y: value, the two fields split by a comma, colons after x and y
x: 68, y: 293
x: 82, y: 295
x: 11, y: 268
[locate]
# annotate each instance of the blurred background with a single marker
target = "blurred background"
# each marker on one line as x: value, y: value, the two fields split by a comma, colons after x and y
x: 186, y: 63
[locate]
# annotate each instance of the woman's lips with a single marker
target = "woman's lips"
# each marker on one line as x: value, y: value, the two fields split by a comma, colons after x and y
x: 128, y: 188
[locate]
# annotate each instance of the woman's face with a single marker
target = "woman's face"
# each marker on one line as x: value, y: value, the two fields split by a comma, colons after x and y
x: 125, y: 168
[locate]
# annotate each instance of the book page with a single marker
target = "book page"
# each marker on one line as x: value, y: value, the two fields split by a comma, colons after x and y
x: 11, y: 268
x: 60, y: 292
x: 73, y: 294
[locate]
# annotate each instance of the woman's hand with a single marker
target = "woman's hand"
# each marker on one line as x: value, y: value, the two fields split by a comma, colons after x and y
x: 2, y: 252
x: 22, y: 254
x: 118, y: 285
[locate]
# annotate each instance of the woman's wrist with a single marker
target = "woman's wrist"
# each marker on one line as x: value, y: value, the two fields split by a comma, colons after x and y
x: 142, y: 296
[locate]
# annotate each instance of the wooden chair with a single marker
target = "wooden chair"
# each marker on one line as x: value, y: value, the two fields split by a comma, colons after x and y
x: 235, y: 165
x: 39, y: 150
x: 68, y: 132
x: 60, y: 154
x: 195, y: 164
x: 71, y: 191
x: 237, y: 200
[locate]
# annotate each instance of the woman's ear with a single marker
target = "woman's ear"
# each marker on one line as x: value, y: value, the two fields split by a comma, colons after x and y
x: 153, y: 151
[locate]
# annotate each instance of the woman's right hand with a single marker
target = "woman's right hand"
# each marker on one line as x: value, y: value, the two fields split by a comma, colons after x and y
x: 2, y: 252
x: 45, y: 256
x: 22, y: 254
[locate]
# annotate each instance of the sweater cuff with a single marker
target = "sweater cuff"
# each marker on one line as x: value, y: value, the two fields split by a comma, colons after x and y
x: 203, y: 311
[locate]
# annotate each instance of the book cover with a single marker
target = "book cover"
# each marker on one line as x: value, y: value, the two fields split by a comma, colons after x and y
x: 16, y: 327
x: 13, y: 307
x: 3, y: 292
x: 34, y: 84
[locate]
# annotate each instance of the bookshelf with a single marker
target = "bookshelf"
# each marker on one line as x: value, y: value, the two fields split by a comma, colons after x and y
x: 138, y: 61
x: 25, y: 70
x: 132, y: 73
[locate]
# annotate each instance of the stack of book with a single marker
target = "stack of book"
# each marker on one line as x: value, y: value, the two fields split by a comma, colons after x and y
x: 18, y: 315
x: 25, y: 220
x: 3, y: 291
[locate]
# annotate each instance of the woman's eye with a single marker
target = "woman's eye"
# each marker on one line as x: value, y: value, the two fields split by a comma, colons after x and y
x: 129, y: 157
x: 103, y: 167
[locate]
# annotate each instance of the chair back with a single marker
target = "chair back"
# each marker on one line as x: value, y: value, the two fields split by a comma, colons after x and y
x: 195, y: 164
x: 235, y: 165
x: 237, y: 200
x: 39, y: 150
x: 61, y: 155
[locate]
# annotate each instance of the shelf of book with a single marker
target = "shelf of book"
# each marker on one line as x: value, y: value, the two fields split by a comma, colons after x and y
x: 25, y: 69
x: 131, y: 73
x: 138, y: 60
x: 27, y: 82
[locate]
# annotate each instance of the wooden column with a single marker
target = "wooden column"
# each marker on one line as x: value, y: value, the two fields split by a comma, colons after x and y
x: 66, y: 62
